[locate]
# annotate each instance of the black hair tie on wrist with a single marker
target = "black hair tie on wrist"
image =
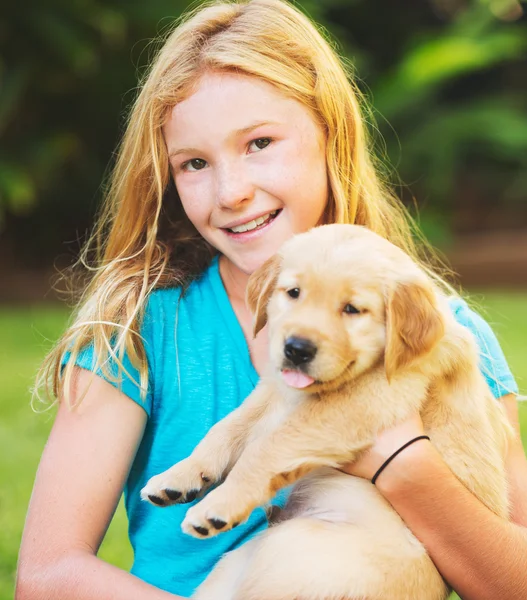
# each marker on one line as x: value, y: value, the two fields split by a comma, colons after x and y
x: 389, y: 460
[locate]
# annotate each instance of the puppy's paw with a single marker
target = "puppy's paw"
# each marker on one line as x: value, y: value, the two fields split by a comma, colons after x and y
x: 182, y: 483
x: 214, y: 514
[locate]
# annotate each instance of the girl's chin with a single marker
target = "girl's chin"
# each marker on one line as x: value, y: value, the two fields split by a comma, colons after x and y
x: 247, y: 267
x: 247, y: 259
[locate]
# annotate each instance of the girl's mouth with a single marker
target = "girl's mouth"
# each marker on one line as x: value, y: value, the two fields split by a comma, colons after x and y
x: 253, y: 226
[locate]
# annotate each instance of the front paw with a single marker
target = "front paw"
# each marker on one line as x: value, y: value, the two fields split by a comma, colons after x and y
x: 182, y: 483
x: 216, y: 513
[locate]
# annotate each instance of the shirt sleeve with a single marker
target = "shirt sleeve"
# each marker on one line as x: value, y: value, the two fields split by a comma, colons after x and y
x: 127, y: 379
x: 492, y: 362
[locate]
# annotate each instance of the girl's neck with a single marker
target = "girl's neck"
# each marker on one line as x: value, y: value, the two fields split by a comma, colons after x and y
x: 234, y: 281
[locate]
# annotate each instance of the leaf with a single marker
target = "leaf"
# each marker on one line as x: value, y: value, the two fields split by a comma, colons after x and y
x: 17, y: 191
x: 430, y: 64
x: 436, y: 150
x: 444, y: 59
x: 12, y: 87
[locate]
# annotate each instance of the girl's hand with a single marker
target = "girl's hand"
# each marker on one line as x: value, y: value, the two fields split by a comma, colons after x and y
x: 387, y: 442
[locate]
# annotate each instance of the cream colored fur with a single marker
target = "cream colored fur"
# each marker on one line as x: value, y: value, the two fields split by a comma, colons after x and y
x: 403, y: 352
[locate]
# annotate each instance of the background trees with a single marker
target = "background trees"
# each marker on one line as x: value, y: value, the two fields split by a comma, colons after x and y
x: 447, y: 79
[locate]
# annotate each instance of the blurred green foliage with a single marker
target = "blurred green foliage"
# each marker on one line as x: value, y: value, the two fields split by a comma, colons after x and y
x: 452, y: 119
x: 447, y: 80
x: 65, y: 70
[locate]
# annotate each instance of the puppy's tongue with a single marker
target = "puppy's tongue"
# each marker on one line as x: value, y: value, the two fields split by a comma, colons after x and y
x: 296, y: 379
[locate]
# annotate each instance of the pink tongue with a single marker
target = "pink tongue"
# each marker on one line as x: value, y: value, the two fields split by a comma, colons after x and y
x: 296, y: 379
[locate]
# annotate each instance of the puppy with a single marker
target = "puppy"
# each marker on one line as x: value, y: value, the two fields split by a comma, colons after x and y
x: 360, y: 339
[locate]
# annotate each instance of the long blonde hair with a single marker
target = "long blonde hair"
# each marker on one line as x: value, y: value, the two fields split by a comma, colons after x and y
x: 143, y: 240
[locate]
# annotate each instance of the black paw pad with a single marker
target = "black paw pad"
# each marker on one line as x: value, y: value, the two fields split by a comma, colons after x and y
x: 191, y: 495
x: 156, y: 500
x: 201, y: 530
x: 217, y: 523
x: 173, y: 494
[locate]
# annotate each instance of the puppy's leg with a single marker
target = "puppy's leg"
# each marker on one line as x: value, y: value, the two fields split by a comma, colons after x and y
x: 213, y: 457
x: 268, y: 464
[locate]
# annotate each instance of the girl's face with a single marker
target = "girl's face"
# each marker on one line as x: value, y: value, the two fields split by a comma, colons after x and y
x: 249, y: 166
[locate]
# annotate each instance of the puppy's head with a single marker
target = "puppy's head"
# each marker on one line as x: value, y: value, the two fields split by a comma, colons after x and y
x: 340, y: 300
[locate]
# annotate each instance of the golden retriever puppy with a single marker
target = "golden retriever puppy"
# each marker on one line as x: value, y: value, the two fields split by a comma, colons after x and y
x: 360, y: 339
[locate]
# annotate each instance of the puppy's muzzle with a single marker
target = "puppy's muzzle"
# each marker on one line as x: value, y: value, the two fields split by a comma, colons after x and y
x: 299, y: 350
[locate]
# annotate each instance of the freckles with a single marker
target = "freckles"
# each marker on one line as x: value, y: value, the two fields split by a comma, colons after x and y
x: 194, y: 209
x: 193, y: 196
x: 314, y: 139
x: 188, y: 199
x: 311, y: 169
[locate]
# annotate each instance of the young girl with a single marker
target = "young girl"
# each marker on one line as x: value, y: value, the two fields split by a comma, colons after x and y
x: 245, y: 132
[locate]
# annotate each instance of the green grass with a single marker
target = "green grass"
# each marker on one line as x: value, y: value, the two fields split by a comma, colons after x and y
x: 25, y: 336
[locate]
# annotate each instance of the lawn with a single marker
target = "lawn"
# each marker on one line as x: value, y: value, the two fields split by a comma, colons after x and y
x: 27, y: 333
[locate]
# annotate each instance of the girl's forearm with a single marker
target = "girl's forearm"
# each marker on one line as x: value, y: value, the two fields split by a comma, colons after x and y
x: 83, y: 576
x: 481, y: 555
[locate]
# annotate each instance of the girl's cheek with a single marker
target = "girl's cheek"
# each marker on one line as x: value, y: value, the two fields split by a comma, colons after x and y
x: 190, y: 188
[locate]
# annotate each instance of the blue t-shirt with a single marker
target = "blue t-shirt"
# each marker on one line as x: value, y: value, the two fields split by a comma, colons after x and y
x: 199, y: 372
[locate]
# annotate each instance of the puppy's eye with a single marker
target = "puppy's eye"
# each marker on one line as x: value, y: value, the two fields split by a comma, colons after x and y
x: 349, y: 309
x: 293, y: 292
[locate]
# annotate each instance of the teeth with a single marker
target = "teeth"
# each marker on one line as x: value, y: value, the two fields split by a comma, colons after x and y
x: 253, y: 224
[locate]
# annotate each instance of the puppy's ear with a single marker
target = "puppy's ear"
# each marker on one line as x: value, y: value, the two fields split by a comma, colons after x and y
x: 259, y: 289
x: 414, y: 325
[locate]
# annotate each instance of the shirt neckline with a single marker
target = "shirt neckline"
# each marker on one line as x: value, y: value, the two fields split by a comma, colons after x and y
x: 231, y: 320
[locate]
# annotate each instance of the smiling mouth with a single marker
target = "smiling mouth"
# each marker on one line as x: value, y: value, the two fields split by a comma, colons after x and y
x: 256, y: 224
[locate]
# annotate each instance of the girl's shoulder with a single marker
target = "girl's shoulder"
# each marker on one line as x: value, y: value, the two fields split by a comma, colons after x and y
x: 167, y: 304
x: 163, y: 309
x: 200, y: 291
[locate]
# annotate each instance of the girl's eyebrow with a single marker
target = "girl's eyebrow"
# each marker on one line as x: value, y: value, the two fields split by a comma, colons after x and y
x: 235, y: 133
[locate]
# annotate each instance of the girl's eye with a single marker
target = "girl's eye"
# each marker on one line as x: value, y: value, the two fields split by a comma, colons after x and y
x: 349, y: 309
x: 293, y: 292
x: 261, y: 143
x: 196, y: 163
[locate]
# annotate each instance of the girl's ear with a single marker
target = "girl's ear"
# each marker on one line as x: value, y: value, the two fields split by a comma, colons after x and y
x: 259, y: 289
x: 414, y: 325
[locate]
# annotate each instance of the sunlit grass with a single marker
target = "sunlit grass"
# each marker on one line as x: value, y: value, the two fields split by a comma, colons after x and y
x: 25, y: 336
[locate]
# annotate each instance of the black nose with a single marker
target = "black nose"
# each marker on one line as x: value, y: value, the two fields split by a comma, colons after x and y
x: 299, y: 350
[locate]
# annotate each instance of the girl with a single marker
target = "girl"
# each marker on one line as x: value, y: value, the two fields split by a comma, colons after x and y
x: 245, y: 132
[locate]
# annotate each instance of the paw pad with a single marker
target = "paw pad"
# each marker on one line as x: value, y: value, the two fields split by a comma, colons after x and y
x: 173, y: 494
x: 217, y: 523
x: 191, y: 495
x: 201, y: 530
x: 156, y: 500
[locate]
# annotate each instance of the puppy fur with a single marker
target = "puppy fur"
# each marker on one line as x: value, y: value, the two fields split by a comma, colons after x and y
x: 398, y: 350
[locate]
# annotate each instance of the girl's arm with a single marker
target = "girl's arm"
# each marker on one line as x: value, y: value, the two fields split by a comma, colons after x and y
x: 481, y: 555
x: 79, y: 482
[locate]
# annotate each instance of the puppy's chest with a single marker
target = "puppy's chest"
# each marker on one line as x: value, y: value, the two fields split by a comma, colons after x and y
x: 276, y: 416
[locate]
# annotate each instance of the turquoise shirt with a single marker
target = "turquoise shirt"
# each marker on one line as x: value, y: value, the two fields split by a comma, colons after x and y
x: 192, y: 389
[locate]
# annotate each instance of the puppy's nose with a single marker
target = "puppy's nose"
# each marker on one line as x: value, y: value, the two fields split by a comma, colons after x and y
x: 299, y: 350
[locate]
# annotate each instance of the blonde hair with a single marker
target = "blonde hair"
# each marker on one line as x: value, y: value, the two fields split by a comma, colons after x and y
x: 143, y: 240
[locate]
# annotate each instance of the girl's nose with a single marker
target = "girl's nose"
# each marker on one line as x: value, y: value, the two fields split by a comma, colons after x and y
x: 234, y: 186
